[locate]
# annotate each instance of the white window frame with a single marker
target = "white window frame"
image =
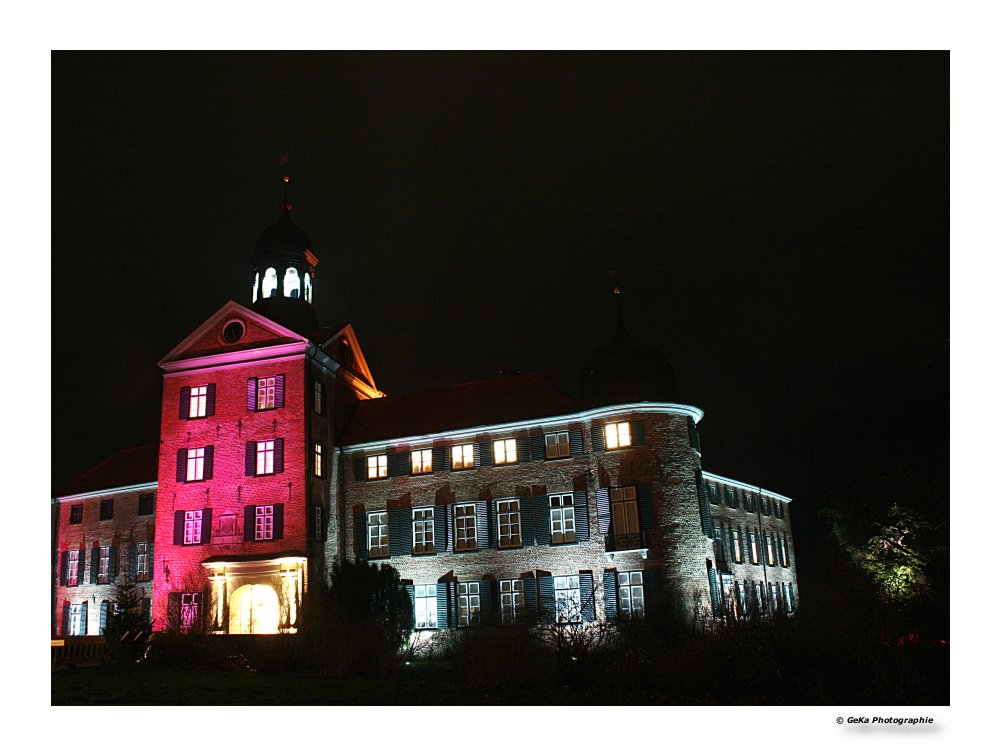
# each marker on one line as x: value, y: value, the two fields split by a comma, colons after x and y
x: 617, y: 435
x: 195, y: 464
x: 631, y: 595
x: 317, y: 460
x: 103, y: 564
x: 73, y: 569
x: 511, y: 600
x: 423, y: 531
x: 554, y: 449
x: 142, y: 566
x: 562, y: 518
x: 421, y: 461
x: 76, y: 613
x: 198, y: 404
x: 568, y: 603
x: 378, y: 534
x: 265, y: 457
x: 509, y: 523
x: 190, y: 610
x: 192, y: 527
x: 265, y: 393
x: 378, y: 466
x: 463, y: 456
x: 505, y: 451
x: 468, y: 604
x: 466, y: 537
x: 263, y: 522
x: 425, y: 606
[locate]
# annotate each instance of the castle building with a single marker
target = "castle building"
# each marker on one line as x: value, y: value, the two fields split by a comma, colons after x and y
x: 498, y: 501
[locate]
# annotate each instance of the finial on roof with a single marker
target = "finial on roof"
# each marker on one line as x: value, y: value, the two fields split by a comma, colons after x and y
x: 616, y: 291
x: 286, y: 206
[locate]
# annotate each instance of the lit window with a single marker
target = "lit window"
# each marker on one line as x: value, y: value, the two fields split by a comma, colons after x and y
x: 617, y: 435
x: 192, y: 527
x: 256, y: 285
x: 263, y: 526
x: 759, y: 591
x: 786, y: 598
x: 425, y: 606
x: 265, y: 457
x: 308, y: 288
x: 509, y: 523
x: 317, y: 460
x: 511, y: 600
x: 631, y: 599
x: 265, y: 393
x: 420, y: 461
x: 568, y: 601
x: 754, y: 555
x: 556, y: 445
x: 773, y: 597
x: 291, y: 283
x: 78, y: 619
x: 769, y: 549
x: 465, y: 527
x: 76, y: 514
x: 625, y: 518
x: 199, y: 399
x: 378, y: 535
x: 142, y: 565
x: 734, y: 537
x: 195, y: 464
x: 317, y: 397
x: 505, y: 451
x: 190, y: 604
x: 103, y: 565
x: 108, y: 508
x: 378, y: 466
x: 741, y: 598
x: 146, y: 503
x: 73, y: 569
x: 561, y: 517
x: 468, y: 604
x: 423, y: 531
x: 270, y: 283
x: 462, y: 456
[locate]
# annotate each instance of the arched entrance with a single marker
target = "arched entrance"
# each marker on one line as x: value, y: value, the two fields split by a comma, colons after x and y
x: 253, y: 609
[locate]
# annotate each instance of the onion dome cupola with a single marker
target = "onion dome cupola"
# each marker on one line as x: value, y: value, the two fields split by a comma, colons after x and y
x: 284, y: 273
x: 626, y: 371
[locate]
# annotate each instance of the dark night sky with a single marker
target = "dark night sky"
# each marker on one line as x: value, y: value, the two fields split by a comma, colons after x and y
x: 780, y: 222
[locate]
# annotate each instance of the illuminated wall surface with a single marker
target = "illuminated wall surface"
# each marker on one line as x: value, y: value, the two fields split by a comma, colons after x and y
x: 279, y: 456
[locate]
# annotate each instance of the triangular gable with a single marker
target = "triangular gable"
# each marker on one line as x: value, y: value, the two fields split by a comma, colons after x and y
x: 207, y: 338
x: 360, y: 366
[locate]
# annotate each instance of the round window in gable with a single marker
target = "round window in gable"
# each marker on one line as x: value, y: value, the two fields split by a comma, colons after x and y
x: 233, y: 331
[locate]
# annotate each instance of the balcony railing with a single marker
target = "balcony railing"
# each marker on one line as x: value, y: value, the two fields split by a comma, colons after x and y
x: 629, y: 541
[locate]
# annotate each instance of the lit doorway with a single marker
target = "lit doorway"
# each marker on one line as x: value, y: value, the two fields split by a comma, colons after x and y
x: 253, y: 609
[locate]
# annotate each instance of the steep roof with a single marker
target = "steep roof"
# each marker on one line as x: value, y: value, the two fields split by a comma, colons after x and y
x: 511, y: 398
x: 130, y: 467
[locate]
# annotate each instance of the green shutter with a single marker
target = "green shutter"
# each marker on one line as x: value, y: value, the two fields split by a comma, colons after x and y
x: 597, y: 437
x: 360, y: 534
x: 581, y: 515
x: 530, y: 598
x: 650, y: 591
x: 547, y: 598
x: 527, y: 521
x: 543, y: 524
x: 610, y: 594
x: 713, y: 589
x: 644, y: 496
x: 587, y: 611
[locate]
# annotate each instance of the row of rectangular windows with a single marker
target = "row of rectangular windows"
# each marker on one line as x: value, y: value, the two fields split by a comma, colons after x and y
x: 720, y: 496
x: 746, y: 599
x: 262, y: 394
x: 262, y: 458
x: 74, y: 623
x: 104, y: 565
x: 557, y: 445
x: 107, y: 510
x: 747, y: 547
x: 260, y: 523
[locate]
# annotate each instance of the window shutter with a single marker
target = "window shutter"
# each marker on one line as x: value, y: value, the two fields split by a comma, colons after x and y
x: 181, y: 464
x: 644, y: 499
x: 491, y: 524
x: 603, y: 510
x: 791, y: 596
x: 703, y: 508
x: 185, y: 407
x: 610, y: 594
x: 279, y: 521
x: 210, y: 401
x: 279, y: 391
x: 133, y: 562
x: 400, y: 532
x: 522, y: 450
x: 84, y: 615
x: 408, y: 587
x: 209, y: 462
x: 250, y: 459
x: 178, y: 528
x: 440, y: 528
x: 477, y: 456
x: 530, y: 598
x: 279, y: 455
x: 487, y: 604
x: 581, y: 515
x: 65, y: 620
x: 482, y: 525
x: 439, y: 459
x: 713, y: 589
x: 249, y: 523
x: 587, y: 610
x: 206, y: 526
x: 638, y: 432
x: 252, y: 394
x: 693, y: 434
x: 597, y: 437
x: 650, y: 591
x: 547, y: 598
x: 527, y: 521
x: 537, y: 447
x: 95, y: 561
x: 359, y: 468
x: 749, y: 551
x: 442, y: 605
x: 174, y: 611
x: 64, y: 568
x: 360, y: 534
x: 149, y: 550
x: 576, y: 442
x: 450, y: 522
x: 543, y: 523
x: 485, y: 453
x: 112, y: 564
x: 102, y: 622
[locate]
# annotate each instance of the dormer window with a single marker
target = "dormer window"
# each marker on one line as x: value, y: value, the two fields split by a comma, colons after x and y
x: 291, y: 283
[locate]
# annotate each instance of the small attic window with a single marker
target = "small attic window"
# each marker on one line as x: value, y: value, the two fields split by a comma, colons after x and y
x: 233, y: 331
